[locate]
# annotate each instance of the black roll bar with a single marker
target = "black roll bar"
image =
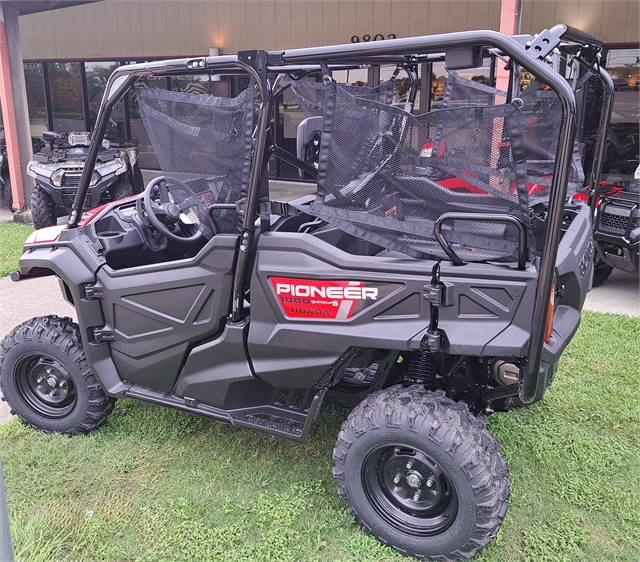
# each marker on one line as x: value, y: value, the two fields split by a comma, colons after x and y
x: 598, y: 151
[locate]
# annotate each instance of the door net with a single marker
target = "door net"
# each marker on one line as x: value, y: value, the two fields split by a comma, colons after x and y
x: 388, y: 176
x: 203, y: 144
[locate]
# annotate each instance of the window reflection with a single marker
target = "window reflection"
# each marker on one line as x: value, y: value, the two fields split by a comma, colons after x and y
x: 66, y: 96
x: 621, y: 153
x: 35, y: 98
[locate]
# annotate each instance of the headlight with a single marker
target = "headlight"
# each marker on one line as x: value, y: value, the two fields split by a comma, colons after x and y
x: 35, y: 170
x: 1, y: 159
x: 56, y: 178
x: 94, y: 178
x: 115, y: 167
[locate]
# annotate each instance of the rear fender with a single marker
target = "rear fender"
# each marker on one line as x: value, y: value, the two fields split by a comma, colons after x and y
x: 574, y: 274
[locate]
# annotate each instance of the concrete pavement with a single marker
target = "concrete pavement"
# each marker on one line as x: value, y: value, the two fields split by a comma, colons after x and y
x: 39, y: 297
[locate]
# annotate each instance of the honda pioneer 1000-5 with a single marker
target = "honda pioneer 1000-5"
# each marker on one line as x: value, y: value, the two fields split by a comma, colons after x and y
x: 420, y: 287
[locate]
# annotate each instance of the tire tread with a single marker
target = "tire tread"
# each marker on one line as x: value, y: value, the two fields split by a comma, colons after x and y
x: 477, y: 446
x: 63, y: 334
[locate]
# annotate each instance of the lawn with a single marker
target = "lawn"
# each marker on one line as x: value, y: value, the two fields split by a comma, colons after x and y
x: 12, y: 237
x: 154, y: 484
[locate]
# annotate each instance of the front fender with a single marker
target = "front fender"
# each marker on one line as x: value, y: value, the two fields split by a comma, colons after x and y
x: 74, y: 261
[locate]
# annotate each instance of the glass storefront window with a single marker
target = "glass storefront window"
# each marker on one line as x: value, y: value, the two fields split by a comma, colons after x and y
x: 98, y: 74
x: 35, y: 98
x: 621, y: 153
x: 66, y: 96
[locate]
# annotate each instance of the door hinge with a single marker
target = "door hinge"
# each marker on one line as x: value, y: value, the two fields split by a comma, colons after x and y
x: 434, y: 294
x: 104, y: 334
x: 93, y: 291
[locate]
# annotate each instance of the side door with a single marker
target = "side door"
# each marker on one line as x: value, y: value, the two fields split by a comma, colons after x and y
x: 154, y: 314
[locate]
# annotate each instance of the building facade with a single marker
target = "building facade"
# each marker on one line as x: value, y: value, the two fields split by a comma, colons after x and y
x: 69, y: 53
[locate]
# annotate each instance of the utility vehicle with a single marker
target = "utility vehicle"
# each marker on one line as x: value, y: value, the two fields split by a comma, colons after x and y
x: 57, y: 174
x: 617, y: 229
x: 6, y: 197
x: 419, y: 305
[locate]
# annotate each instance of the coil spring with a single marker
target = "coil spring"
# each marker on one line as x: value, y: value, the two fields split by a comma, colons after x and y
x: 422, y: 368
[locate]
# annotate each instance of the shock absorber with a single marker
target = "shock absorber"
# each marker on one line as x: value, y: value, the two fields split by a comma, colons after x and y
x: 422, y: 368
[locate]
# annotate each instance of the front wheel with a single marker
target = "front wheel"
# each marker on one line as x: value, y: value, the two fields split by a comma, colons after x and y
x: 43, y: 208
x: 422, y: 474
x: 122, y: 189
x: 601, y: 272
x: 45, y: 378
x: 7, y: 196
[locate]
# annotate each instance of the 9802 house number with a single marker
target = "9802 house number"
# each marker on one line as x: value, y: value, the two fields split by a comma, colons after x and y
x: 366, y: 38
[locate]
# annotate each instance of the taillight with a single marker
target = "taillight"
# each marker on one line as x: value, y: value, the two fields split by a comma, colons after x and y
x: 552, y: 304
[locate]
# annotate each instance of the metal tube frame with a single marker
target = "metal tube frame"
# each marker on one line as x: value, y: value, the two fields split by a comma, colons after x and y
x: 370, y: 53
x: 598, y: 152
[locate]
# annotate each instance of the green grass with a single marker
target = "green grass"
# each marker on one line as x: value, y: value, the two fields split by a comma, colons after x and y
x: 12, y: 237
x: 158, y: 485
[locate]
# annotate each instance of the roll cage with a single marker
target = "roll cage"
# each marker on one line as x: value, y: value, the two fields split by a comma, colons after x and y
x: 532, y: 53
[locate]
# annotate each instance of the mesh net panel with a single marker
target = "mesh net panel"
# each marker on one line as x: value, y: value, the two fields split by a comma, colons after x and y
x: 541, y: 119
x: 377, y: 181
x: 203, y: 144
x: 387, y: 176
x: 313, y: 95
x: 462, y: 92
x: 540, y: 126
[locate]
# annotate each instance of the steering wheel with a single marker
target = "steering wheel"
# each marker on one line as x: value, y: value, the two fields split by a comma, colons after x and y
x: 164, y: 215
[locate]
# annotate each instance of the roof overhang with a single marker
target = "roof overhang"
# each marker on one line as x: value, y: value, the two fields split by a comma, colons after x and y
x: 35, y: 6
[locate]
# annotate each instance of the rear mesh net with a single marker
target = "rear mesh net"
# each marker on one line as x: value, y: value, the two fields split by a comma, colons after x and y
x: 203, y: 144
x: 313, y: 95
x: 387, y: 176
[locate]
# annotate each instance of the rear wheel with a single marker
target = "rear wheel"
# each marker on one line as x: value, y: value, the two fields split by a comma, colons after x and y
x: 45, y: 378
x: 43, y: 209
x: 422, y: 474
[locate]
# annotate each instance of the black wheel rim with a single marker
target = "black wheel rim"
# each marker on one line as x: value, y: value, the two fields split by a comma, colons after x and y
x: 409, y: 490
x: 45, y: 386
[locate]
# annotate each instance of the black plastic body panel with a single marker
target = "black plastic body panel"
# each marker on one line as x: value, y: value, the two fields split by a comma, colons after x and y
x: 158, y: 311
x: 218, y: 373
x: 73, y: 259
x: 487, y: 310
x: 574, y: 274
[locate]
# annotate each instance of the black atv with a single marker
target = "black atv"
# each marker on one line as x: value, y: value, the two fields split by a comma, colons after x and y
x: 420, y: 288
x: 617, y: 230
x: 6, y: 197
x: 57, y: 174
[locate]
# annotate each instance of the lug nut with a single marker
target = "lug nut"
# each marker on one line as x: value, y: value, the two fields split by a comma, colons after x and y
x: 53, y: 392
x: 416, y: 496
x: 409, y: 465
x: 48, y: 371
x: 396, y: 479
x: 431, y: 482
x: 40, y: 380
x: 62, y: 384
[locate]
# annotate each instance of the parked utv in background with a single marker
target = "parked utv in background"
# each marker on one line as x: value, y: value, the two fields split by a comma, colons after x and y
x: 617, y: 229
x: 5, y: 181
x: 57, y: 173
x: 420, y: 287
